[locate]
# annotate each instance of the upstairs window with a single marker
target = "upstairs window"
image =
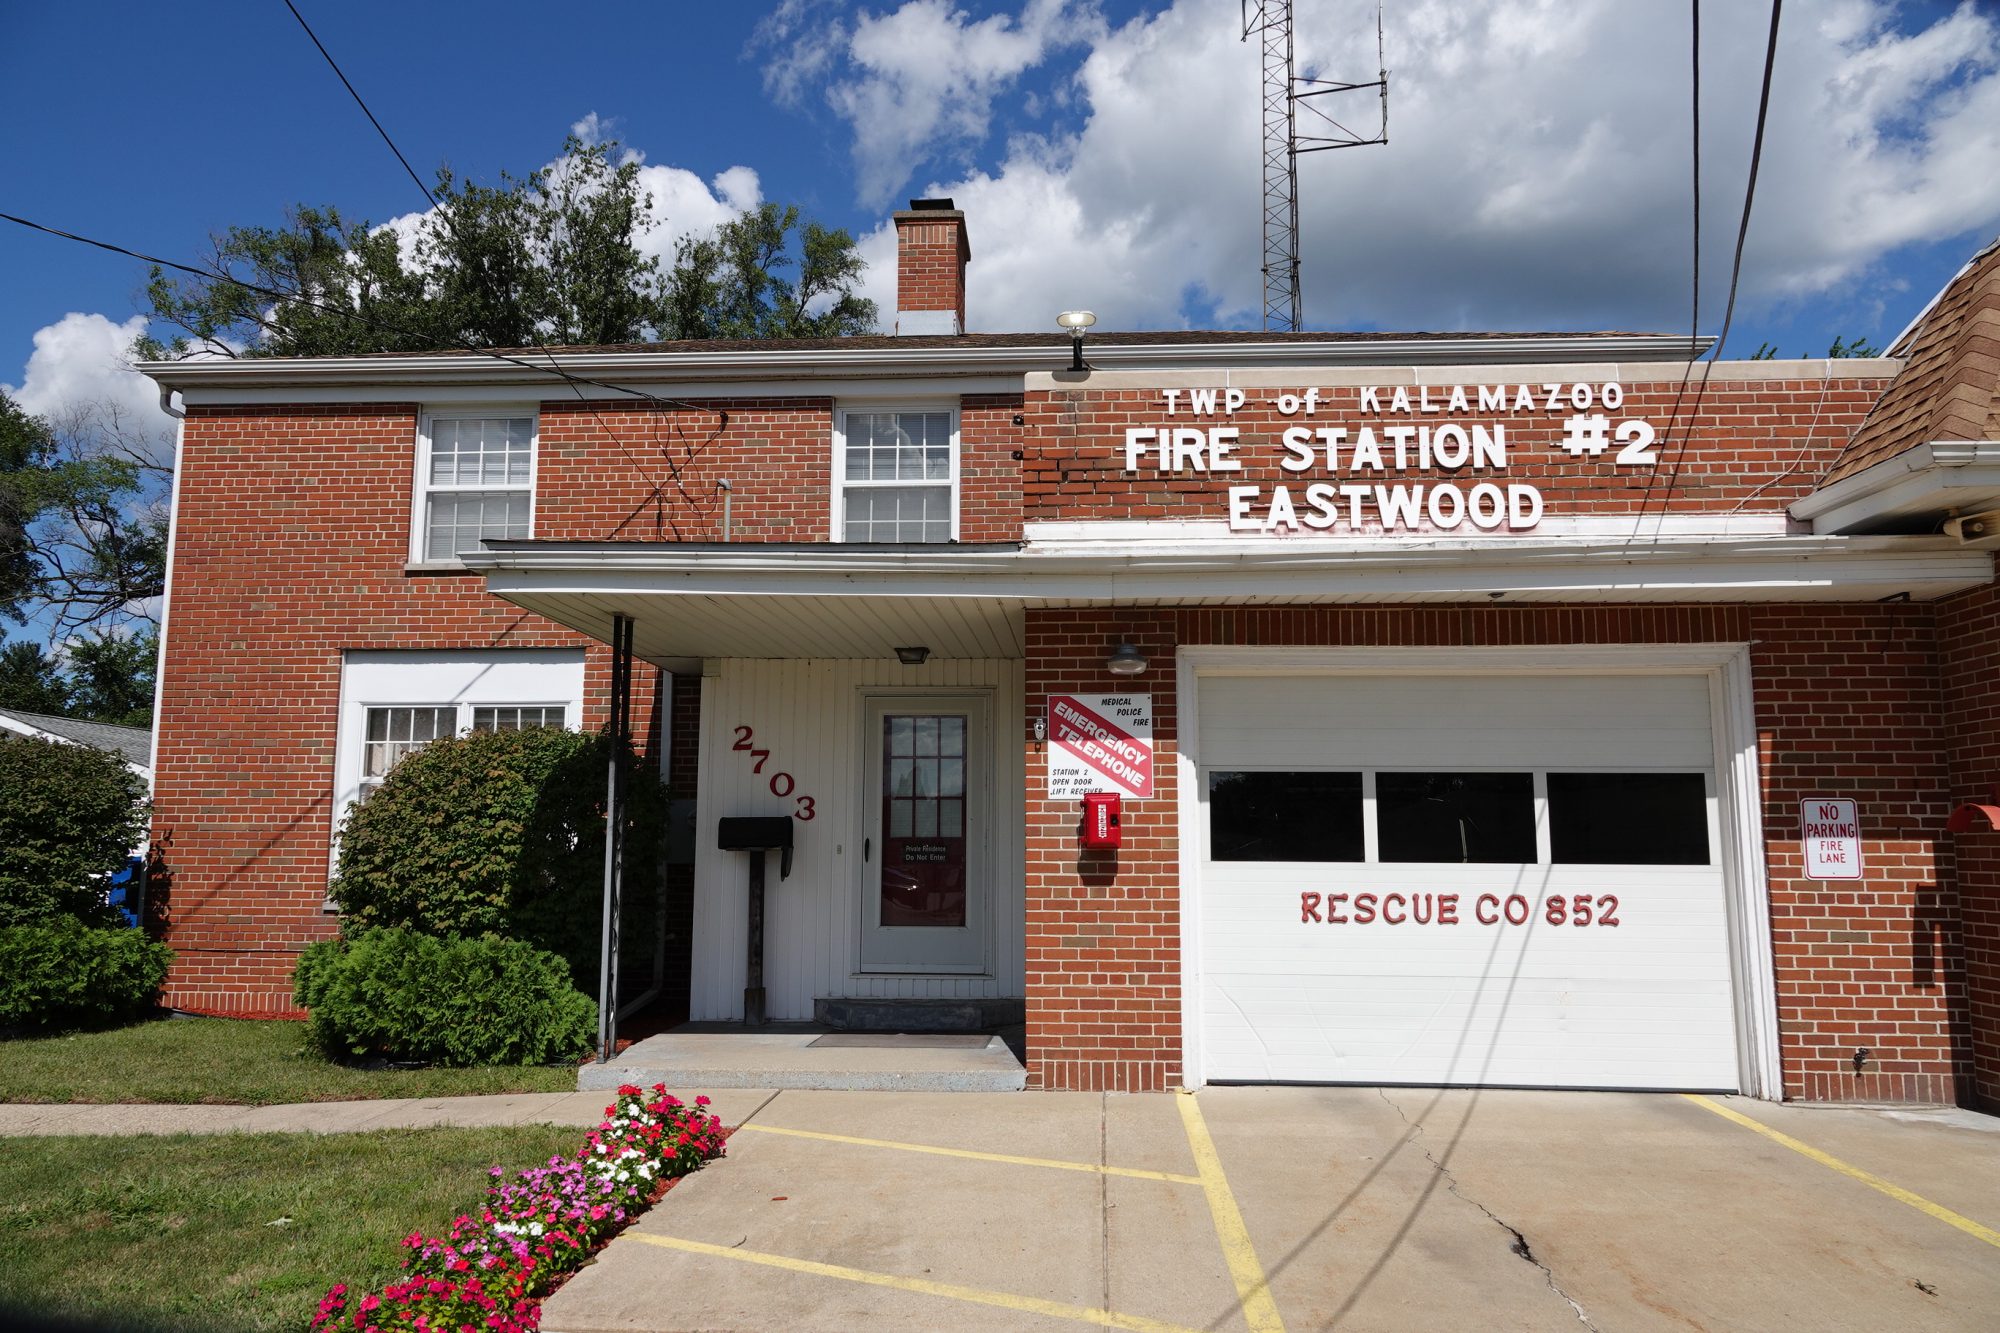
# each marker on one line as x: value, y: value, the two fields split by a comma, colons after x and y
x: 896, y: 476
x: 475, y: 480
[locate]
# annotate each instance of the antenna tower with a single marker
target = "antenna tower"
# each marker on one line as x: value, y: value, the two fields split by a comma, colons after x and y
x: 1284, y: 94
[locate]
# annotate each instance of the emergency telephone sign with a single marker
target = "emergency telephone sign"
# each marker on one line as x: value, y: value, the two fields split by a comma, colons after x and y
x: 1832, y: 833
x: 1100, y: 743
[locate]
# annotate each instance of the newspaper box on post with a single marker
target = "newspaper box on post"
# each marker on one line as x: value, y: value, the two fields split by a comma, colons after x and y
x: 1100, y: 743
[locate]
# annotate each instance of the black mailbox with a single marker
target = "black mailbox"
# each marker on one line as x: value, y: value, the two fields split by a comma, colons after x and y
x: 758, y: 833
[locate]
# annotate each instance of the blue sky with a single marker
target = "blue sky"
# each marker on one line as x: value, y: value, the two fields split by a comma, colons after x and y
x: 1535, y: 175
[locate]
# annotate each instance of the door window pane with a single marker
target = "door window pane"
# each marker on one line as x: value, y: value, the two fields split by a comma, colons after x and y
x: 1629, y: 819
x: 1456, y: 818
x: 924, y: 852
x: 1284, y: 817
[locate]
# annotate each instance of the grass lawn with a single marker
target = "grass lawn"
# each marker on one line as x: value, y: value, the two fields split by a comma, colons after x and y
x: 228, y: 1060
x: 184, y: 1232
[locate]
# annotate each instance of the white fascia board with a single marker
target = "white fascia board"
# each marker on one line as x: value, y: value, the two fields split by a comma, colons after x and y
x: 384, y: 374
x: 1719, y: 569
x: 1923, y: 479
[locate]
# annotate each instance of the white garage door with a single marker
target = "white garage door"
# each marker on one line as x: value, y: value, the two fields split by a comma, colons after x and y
x: 1506, y: 880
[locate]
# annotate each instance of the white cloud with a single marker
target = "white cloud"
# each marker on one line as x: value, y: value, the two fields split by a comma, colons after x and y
x: 1536, y: 173
x: 83, y: 360
x: 918, y: 82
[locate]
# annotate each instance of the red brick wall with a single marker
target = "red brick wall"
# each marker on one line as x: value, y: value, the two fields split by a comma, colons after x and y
x: 292, y: 538
x: 1847, y: 704
x: 930, y: 264
x: 1755, y: 440
x: 1969, y: 641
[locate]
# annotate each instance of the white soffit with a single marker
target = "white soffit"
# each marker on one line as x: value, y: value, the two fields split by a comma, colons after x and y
x: 826, y: 600
x: 1919, y: 487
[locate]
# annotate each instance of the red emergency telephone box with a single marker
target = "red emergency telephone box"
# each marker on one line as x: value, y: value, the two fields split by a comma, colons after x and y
x: 1101, y: 819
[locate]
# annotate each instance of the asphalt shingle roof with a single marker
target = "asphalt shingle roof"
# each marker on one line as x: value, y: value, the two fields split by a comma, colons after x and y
x: 135, y: 744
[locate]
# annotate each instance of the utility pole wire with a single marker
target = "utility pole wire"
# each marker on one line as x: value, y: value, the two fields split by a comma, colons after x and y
x: 334, y: 65
x: 673, y: 469
x: 1736, y: 262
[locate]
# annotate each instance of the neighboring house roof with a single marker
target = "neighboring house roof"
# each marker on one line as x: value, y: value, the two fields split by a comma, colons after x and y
x: 133, y: 744
x: 1949, y: 387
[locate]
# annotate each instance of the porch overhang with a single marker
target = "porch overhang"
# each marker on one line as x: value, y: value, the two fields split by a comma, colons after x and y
x: 787, y: 600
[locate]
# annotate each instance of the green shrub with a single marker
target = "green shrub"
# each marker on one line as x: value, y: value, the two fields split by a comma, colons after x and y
x: 69, y: 814
x: 501, y: 833
x: 63, y: 973
x: 405, y: 995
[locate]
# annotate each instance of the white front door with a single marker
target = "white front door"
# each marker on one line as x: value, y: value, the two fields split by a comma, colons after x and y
x: 925, y: 902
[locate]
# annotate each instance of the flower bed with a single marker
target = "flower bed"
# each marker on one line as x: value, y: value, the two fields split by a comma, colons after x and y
x: 491, y: 1270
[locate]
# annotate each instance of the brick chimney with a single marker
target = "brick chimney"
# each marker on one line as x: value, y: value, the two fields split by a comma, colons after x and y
x: 931, y: 250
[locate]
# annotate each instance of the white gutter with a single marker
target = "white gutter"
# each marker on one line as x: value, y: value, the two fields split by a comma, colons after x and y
x: 471, y: 368
x: 1769, y: 567
x: 1919, y: 486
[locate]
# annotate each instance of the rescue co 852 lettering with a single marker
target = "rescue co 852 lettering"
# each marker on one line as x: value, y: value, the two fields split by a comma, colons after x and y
x: 1442, y: 909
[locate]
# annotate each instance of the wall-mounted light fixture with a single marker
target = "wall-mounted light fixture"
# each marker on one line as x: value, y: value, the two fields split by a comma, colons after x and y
x: 1040, y: 729
x: 916, y: 655
x: 1076, y: 321
x: 1125, y: 660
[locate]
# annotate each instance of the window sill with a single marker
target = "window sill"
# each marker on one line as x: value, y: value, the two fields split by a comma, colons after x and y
x: 434, y: 567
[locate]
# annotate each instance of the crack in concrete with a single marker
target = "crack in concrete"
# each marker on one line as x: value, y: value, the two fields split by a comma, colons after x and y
x: 1520, y: 1245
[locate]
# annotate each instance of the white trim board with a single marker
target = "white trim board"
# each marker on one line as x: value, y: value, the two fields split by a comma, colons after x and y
x: 1725, y: 665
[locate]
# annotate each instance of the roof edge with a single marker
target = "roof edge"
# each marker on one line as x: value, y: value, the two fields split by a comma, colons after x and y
x: 455, y: 368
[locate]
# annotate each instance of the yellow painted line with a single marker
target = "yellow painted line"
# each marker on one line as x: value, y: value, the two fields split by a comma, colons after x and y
x: 1050, y: 1162
x: 922, y: 1286
x: 1253, y: 1289
x: 1872, y: 1181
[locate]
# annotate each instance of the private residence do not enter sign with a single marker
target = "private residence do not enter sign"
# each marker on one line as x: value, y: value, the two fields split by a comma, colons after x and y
x: 1831, y: 831
x: 1100, y: 743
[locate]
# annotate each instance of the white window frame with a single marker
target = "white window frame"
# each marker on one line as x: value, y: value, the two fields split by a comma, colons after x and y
x: 840, y: 483
x: 442, y: 678
x: 421, y: 489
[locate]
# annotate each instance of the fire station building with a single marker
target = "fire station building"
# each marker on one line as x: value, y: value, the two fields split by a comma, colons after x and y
x: 1541, y: 710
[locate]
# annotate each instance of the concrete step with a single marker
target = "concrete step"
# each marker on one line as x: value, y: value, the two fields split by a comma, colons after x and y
x: 792, y: 1060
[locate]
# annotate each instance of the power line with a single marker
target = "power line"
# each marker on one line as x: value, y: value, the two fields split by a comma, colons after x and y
x: 1736, y: 261
x: 573, y: 379
x: 335, y: 66
x: 673, y: 469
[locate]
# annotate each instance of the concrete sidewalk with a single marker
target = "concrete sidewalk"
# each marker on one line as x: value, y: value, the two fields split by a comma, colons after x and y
x: 548, y: 1108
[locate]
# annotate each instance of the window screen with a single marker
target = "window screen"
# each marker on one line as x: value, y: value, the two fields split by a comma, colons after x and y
x: 477, y: 482
x: 1285, y: 817
x: 1457, y: 818
x: 517, y: 718
x: 896, y: 477
x: 395, y: 733
x: 1631, y: 819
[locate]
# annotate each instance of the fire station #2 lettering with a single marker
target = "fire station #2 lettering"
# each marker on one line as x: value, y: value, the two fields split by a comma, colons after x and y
x: 1451, y: 909
x: 783, y: 785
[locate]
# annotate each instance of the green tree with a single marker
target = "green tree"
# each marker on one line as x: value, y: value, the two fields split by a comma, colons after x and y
x: 30, y: 680
x: 111, y: 678
x: 549, y: 259
x: 1842, y: 347
x: 82, y: 518
x: 68, y: 815
x: 731, y: 284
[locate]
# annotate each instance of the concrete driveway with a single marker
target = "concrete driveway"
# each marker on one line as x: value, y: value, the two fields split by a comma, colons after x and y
x: 1270, y: 1208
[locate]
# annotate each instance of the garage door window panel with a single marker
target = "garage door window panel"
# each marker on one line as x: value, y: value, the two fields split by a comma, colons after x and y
x: 1456, y: 818
x: 1285, y: 816
x: 1631, y: 819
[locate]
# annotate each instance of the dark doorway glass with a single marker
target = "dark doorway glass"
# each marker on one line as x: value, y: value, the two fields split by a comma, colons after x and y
x: 1284, y: 817
x: 1457, y: 818
x: 1628, y: 819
